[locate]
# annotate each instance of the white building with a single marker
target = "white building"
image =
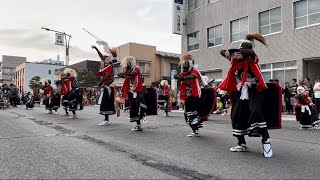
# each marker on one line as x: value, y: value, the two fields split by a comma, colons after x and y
x: 26, y: 71
x: 51, y: 61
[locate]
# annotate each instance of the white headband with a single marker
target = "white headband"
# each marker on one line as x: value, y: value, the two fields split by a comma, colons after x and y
x: 300, y: 88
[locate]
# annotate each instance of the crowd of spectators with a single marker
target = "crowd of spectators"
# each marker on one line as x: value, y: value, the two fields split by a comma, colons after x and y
x: 289, y: 91
x: 11, y: 95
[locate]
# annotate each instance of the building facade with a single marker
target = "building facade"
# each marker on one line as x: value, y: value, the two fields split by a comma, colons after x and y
x: 26, y: 71
x: 153, y: 64
x: 291, y: 28
x: 86, y: 65
x: 8, y: 68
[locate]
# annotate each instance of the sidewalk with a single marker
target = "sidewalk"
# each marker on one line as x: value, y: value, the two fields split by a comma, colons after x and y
x: 285, y: 116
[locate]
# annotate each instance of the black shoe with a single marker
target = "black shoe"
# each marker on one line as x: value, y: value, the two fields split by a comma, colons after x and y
x: 81, y: 107
x: 137, y: 128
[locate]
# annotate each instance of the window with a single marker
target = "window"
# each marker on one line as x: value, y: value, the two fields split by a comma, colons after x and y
x: 216, y: 74
x: 193, y: 4
x: 306, y: 12
x: 266, y: 76
x: 270, y: 21
x: 49, y: 72
x: 290, y: 63
x: 239, y: 29
x: 265, y: 66
x: 214, y: 35
x: 277, y: 65
x: 193, y: 41
x: 212, y: 1
x: 144, y: 67
x: 283, y: 71
x: 278, y: 74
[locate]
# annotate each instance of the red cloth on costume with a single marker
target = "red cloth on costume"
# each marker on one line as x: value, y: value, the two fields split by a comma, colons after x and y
x: 106, y: 71
x: 65, y: 87
x: 134, y: 79
x: 194, y: 84
x: 165, y: 90
x: 126, y: 86
x: 305, y: 98
x: 71, y: 79
x: 230, y: 84
x: 48, y: 91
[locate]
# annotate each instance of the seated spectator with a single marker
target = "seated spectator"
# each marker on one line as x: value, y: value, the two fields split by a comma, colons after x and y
x: 219, y: 106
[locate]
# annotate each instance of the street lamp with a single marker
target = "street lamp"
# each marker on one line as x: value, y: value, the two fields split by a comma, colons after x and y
x: 67, y: 39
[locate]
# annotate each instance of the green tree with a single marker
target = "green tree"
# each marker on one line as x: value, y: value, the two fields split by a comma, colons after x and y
x: 35, y: 81
x: 87, y: 79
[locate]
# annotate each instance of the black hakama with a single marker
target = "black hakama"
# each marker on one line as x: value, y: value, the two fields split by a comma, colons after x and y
x: 208, y: 99
x: 308, y: 118
x: 192, y: 114
x: 49, y: 103
x: 138, y: 107
x: 65, y: 101
x: 247, y: 115
x: 74, y: 99
x: 107, y: 106
x: 55, y: 101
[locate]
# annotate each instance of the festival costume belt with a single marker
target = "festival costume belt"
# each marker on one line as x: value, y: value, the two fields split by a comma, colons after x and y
x: 305, y: 108
x: 244, y: 88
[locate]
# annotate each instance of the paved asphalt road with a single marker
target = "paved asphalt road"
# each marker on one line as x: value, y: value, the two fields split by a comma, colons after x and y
x: 34, y: 144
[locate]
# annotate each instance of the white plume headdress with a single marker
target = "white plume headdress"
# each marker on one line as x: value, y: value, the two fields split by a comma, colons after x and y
x: 164, y: 82
x: 128, y: 61
x: 70, y: 71
x: 186, y: 60
x: 44, y: 81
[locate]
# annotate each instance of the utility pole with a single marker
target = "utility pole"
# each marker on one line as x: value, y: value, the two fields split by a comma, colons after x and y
x: 67, y: 38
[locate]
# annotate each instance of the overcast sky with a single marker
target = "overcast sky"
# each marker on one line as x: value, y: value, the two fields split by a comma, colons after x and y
x: 115, y: 21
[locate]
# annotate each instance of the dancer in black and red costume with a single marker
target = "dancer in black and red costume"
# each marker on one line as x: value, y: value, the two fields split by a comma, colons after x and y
x: 106, y: 74
x: 246, y: 85
x: 164, y: 99
x: 136, y: 93
x: 198, y: 98
x: 305, y: 111
x: 48, y: 94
